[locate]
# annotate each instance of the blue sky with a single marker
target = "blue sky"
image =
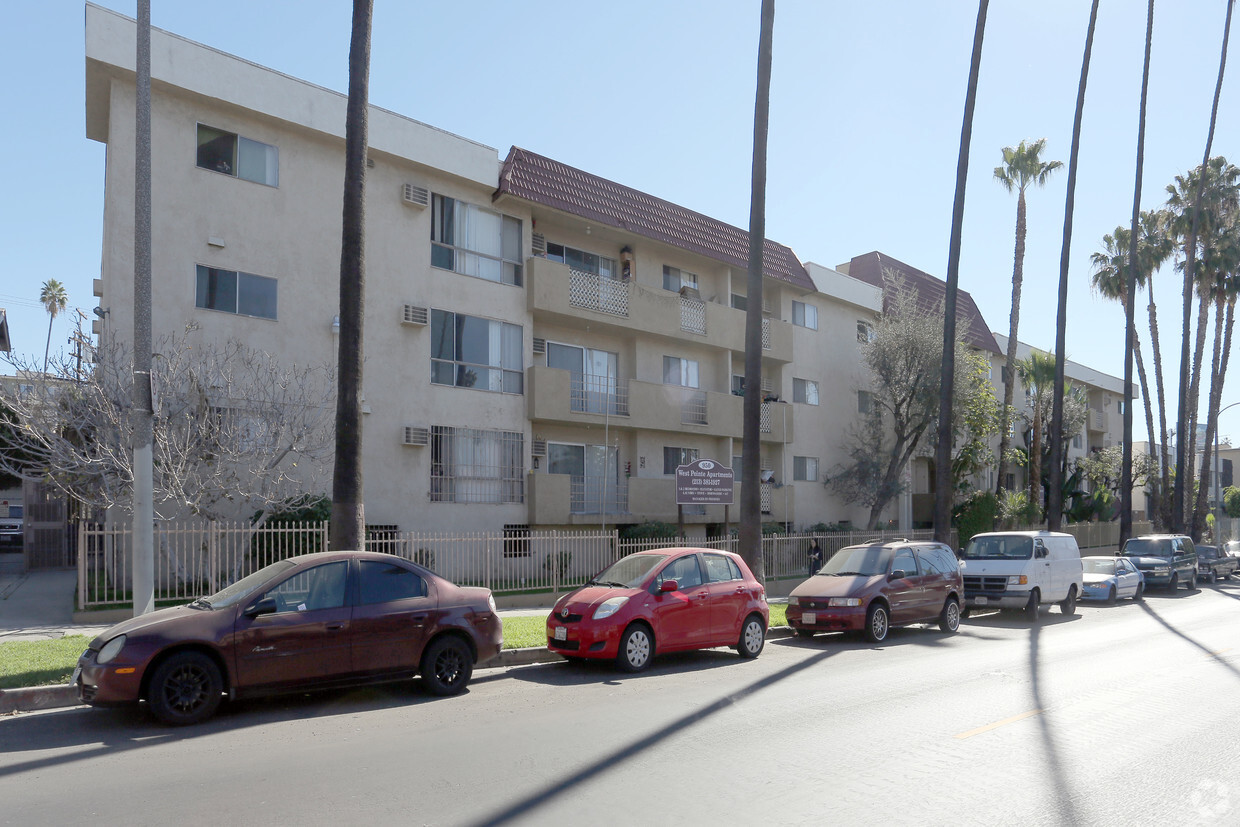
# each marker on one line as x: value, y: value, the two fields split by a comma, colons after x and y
x: 864, y: 133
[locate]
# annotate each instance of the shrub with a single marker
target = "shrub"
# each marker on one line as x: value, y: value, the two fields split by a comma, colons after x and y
x: 976, y: 514
x: 647, y: 530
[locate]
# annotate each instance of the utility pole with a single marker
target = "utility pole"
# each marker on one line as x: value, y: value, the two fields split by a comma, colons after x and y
x: 143, y: 416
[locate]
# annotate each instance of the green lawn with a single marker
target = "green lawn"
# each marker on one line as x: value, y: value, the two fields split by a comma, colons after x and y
x: 49, y: 662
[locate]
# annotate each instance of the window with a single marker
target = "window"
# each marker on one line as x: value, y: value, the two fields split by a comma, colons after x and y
x: 474, y: 241
x: 384, y: 582
x: 230, y: 292
x: 683, y: 372
x: 805, y: 469
x: 321, y: 587
x: 221, y: 151
x: 805, y: 390
x: 905, y: 562
x: 865, y: 331
x: 594, y: 386
x: 736, y: 468
x: 740, y: 302
x: 1076, y: 441
x: 738, y: 385
x: 476, y: 466
x: 1120, y: 409
x: 720, y: 569
x: 674, y: 278
x: 684, y: 571
x: 805, y: 315
x: 865, y: 402
x: 580, y: 260
x: 673, y: 457
x: 469, y: 352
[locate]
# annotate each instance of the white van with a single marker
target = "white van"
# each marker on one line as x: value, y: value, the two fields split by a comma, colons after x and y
x: 1022, y: 570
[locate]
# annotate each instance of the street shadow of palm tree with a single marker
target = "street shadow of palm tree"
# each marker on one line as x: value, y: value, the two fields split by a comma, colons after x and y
x: 1214, y: 656
x: 534, y: 801
x: 1059, y: 777
x: 1017, y: 620
x: 592, y: 670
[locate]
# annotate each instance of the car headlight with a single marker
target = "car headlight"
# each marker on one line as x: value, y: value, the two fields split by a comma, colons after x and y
x: 1018, y: 580
x: 1161, y: 570
x: 491, y: 603
x: 111, y: 649
x: 844, y: 601
x: 794, y: 601
x: 609, y: 607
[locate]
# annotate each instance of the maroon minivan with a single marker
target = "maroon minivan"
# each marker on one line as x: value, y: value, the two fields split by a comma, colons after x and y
x: 309, y: 622
x: 876, y: 586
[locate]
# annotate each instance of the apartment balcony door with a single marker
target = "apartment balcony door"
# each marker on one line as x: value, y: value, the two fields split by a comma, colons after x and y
x: 595, y: 476
x: 594, y: 376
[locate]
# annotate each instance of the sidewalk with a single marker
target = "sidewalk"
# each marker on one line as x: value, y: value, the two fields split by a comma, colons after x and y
x: 38, y: 605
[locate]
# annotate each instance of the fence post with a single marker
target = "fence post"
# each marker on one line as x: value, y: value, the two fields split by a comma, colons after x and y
x: 555, y: 563
x: 213, y: 556
x: 83, y: 555
x: 490, y: 558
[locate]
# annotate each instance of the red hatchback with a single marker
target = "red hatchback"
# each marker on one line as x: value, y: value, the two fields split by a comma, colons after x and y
x: 874, y: 587
x: 309, y: 622
x: 665, y: 600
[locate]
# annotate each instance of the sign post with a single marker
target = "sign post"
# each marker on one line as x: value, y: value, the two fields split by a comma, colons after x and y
x: 704, y: 482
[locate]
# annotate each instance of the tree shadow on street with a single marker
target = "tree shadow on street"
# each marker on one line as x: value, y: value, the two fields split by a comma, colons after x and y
x: 1214, y: 656
x: 1062, y: 784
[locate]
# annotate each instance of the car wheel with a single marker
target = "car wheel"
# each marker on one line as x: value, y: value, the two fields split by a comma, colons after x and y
x: 636, y: 648
x: 1111, y: 597
x: 805, y: 632
x: 1032, y: 607
x: 1068, y: 604
x: 1175, y: 581
x: 949, y: 618
x: 1191, y: 585
x: 876, y: 623
x: 1213, y: 578
x: 185, y: 689
x: 753, y: 636
x: 447, y: 666
x: 1140, y: 595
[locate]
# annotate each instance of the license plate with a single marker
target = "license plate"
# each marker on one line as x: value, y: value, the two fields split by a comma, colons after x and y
x: 809, y: 617
x: 77, y: 673
x: 561, y: 633
x: 981, y: 601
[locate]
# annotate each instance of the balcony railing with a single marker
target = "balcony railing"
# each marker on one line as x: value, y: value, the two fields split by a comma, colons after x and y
x: 764, y: 418
x: 766, y: 334
x: 598, y: 293
x: 598, y: 495
x: 692, y: 315
x: 599, y: 394
x: 693, y: 408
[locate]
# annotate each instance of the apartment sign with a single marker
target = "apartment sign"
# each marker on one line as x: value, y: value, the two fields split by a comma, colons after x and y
x: 704, y: 482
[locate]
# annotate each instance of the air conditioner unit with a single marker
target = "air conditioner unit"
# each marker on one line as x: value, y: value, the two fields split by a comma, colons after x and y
x: 416, y: 436
x: 538, y: 448
x: 766, y: 307
x: 538, y: 244
x: 414, y: 315
x: 415, y: 196
x: 540, y: 346
x: 690, y: 293
x: 767, y: 385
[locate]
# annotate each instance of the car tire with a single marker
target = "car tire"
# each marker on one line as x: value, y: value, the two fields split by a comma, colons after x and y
x: 949, y: 618
x: 636, y: 648
x: 1175, y: 581
x: 1068, y: 604
x: 1033, y: 606
x: 447, y: 665
x: 753, y: 637
x: 1111, y: 597
x: 1191, y: 585
x: 1140, y: 595
x: 877, y: 623
x: 186, y: 688
x: 1213, y: 578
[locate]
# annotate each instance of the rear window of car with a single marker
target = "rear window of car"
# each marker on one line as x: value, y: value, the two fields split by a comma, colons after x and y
x: 1138, y: 547
x: 385, y: 582
x: 720, y: 568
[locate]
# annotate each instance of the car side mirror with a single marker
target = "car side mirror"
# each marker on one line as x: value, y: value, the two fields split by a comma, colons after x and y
x: 265, y: 606
x: 669, y: 586
x: 898, y: 574
x: 1039, y: 553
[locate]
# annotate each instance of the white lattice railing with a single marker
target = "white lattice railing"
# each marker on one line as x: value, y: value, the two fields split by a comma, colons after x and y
x: 593, y: 292
x: 764, y: 418
x: 692, y: 315
x: 766, y: 334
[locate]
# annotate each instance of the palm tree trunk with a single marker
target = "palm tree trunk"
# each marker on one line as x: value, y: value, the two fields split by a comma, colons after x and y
x: 48, y: 347
x: 1194, y: 398
x: 348, y: 524
x: 1035, y: 454
x: 750, y: 535
x: 1009, y: 385
x: 1217, y: 376
x: 1155, y: 493
x: 1161, y: 517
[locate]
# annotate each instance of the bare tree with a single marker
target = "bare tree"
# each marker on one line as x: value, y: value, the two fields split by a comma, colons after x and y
x: 233, y: 432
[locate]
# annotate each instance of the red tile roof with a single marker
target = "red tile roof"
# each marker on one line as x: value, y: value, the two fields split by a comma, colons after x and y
x: 541, y: 180
x: 930, y: 293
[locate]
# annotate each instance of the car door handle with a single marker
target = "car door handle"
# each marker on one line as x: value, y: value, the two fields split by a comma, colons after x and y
x: 334, y: 627
x: 740, y: 589
x: 419, y: 619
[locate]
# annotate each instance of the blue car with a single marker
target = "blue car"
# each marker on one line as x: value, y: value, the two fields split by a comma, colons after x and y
x: 1111, y: 578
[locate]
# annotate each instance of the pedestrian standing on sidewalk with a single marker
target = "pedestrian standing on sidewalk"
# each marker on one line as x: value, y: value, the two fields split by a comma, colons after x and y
x: 815, y: 557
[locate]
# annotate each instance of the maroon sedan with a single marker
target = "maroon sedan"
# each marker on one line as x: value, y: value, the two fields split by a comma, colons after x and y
x: 310, y: 622
x: 876, y: 586
x: 667, y: 599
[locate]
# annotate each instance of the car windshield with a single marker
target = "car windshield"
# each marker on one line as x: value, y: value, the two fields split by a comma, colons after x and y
x: 246, y: 586
x: 1098, y: 566
x: 628, y: 572
x: 1209, y: 552
x: 1147, y: 548
x: 999, y: 548
x: 859, y: 560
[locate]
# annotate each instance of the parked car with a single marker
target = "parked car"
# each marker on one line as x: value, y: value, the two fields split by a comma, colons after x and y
x: 309, y: 622
x: 1165, y: 559
x: 11, y: 528
x: 661, y: 600
x: 1213, y: 565
x: 1111, y: 578
x: 1232, y: 549
x: 878, y: 585
x: 1022, y: 570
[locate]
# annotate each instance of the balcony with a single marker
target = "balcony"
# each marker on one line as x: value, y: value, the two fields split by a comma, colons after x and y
x: 579, y: 299
x: 1097, y: 421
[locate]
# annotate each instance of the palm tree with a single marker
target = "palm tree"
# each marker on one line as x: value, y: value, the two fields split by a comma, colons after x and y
x: 348, y: 524
x: 1037, y: 374
x: 750, y: 535
x: 947, y: 379
x: 54, y: 299
x: 1022, y: 167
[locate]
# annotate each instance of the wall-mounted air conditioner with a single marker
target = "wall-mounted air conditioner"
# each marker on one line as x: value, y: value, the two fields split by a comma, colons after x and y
x: 415, y: 196
x: 414, y: 315
x: 416, y: 436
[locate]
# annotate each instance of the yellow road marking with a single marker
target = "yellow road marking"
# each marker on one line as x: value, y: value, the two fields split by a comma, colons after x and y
x: 1022, y: 716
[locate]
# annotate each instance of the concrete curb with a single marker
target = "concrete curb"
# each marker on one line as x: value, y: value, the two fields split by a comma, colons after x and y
x: 32, y: 698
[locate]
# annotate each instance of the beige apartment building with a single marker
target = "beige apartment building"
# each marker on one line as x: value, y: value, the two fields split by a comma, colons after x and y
x: 543, y: 346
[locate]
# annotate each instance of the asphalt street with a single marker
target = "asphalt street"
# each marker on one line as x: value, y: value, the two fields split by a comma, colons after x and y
x: 1118, y: 715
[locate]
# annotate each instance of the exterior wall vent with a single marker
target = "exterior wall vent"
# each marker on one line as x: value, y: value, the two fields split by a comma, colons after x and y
x: 415, y: 196
x: 538, y: 244
x: 416, y: 436
x: 414, y: 315
x: 540, y: 346
x: 538, y: 448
